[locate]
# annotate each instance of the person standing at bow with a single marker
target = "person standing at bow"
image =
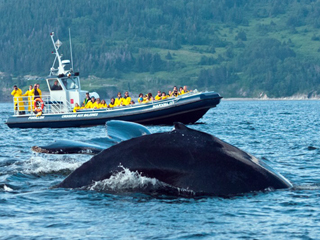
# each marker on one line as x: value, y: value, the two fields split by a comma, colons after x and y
x: 18, y: 101
x: 38, y: 86
x: 36, y: 92
x: 29, y: 94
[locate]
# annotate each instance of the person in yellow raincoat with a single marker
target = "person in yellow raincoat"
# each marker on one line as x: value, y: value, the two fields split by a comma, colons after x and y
x: 76, y: 107
x: 18, y: 101
x: 164, y: 96
x: 148, y: 99
x: 29, y: 94
x: 126, y: 99
x: 103, y: 104
x: 119, y: 100
x: 96, y: 104
x: 112, y: 103
x: 158, y: 96
x: 82, y: 106
x: 185, y: 90
x: 36, y: 93
x: 90, y: 103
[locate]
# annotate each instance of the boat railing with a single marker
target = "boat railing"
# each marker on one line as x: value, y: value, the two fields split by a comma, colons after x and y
x: 26, y: 105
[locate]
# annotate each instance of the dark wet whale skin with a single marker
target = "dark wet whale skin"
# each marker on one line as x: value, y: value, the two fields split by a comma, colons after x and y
x: 184, y: 158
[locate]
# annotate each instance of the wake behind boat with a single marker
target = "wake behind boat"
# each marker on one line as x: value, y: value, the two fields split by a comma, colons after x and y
x: 56, y: 109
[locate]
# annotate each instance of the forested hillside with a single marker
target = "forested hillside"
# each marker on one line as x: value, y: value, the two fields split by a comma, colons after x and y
x: 236, y: 47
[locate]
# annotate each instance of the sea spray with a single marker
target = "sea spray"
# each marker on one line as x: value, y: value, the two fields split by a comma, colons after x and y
x: 133, y: 181
x: 125, y: 180
x: 42, y: 166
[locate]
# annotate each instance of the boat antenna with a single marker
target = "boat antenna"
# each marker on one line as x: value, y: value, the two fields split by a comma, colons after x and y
x: 56, y: 46
x: 70, y: 49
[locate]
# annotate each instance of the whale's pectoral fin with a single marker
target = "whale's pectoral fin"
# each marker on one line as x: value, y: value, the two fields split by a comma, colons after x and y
x: 123, y: 130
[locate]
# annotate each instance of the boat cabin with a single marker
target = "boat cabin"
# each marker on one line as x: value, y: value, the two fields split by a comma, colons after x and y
x: 64, y: 85
x: 64, y: 89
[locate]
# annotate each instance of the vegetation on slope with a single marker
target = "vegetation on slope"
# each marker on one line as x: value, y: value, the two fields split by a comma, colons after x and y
x: 236, y: 47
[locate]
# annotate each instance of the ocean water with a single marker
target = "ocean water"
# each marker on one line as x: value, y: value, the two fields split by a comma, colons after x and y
x: 285, y: 134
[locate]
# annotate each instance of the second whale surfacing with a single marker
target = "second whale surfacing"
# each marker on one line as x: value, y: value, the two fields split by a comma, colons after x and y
x: 182, y: 159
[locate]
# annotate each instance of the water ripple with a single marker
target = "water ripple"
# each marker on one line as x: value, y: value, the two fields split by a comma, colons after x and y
x: 285, y: 134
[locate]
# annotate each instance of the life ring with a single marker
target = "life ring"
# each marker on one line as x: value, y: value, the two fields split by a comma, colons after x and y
x: 35, y: 105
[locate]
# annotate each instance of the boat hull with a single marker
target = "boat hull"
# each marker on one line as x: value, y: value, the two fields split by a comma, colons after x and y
x: 186, y: 109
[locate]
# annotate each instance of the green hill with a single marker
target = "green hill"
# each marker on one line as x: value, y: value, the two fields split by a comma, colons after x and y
x: 238, y: 48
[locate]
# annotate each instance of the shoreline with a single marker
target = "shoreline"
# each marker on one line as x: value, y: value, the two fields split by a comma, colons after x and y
x: 249, y: 99
x: 301, y: 98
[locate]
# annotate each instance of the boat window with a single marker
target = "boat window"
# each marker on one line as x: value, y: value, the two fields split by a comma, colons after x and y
x: 71, y: 83
x: 54, y: 85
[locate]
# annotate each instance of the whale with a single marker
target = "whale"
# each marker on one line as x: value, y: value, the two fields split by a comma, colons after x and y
x: 116, y: 131
x: 181, y: 159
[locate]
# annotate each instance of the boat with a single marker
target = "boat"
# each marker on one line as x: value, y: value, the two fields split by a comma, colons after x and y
x: 55, y: 110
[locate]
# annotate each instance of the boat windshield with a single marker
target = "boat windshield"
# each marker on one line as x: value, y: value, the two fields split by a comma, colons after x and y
x: 54, y: 84
x: 71, y: 83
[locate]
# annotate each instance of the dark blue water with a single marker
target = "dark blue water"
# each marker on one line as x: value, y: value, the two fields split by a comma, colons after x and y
x: 285, y: 134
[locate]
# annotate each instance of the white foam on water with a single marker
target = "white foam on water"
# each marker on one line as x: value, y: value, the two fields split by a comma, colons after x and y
x: 41, y: 165
x: 125, y: 180
x: 7, y: 189
x: 133, y: 181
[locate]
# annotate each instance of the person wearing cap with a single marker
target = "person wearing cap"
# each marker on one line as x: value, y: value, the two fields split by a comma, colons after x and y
x: 87, y: 98
x: 90, y: 103
x: 17, y: 98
